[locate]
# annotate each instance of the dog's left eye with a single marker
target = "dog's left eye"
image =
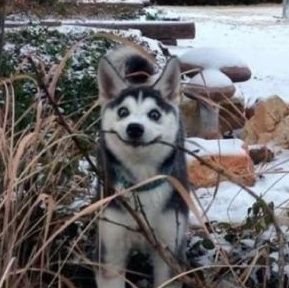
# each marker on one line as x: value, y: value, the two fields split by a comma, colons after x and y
x: 122, y: 112
x: 154, y: 115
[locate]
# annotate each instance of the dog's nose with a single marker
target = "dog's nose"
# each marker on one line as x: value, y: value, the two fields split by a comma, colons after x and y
x: 135, y: 130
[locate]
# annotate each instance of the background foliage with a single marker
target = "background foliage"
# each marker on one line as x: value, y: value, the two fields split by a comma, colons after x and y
x: 77, y: 88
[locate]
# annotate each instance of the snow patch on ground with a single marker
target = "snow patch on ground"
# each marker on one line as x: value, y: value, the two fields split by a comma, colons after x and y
x: 231, y: 203
x: 224, y: 147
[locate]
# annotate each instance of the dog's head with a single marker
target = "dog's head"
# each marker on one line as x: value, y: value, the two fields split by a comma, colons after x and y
x: 137, y: 117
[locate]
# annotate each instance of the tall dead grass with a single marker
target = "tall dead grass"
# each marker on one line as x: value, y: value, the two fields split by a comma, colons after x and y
x: 40, y: 175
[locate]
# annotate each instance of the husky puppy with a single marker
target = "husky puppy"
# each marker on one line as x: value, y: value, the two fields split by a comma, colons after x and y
x: 135, y: 117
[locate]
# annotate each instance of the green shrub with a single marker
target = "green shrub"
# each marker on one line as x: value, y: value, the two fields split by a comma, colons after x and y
x: 77, y: 88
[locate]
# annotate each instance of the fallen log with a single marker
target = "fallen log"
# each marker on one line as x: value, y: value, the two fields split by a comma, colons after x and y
x: 165, y: 31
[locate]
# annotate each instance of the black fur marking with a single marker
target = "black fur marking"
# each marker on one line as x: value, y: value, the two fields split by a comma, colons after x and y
x: 179, y: 171
x: 147, y: 92
x: 136, y: 63
x: 137, y: 79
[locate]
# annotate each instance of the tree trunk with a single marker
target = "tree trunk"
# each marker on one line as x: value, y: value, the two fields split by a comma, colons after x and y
x: 2, y: 26
x: 285, y: 9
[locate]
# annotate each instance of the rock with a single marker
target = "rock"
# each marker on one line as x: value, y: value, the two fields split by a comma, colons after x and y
x: 209, y: 115
x: 208, y: 89
x: 228, y: 154
x: 269, y: 113
x: 215, y: 58
x: 201, y: 118
x: 190, y: 116
x: 249, y: 112
x: 268, y: 123
x: 212, y: 84
x: 261, y: 155
x: 281, y: 133
x: 242, y: 167
x: 190, y: 69
x: 237, y: 74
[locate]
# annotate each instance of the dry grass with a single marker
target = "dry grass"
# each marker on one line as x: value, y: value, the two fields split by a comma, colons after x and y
x: 40, y: 173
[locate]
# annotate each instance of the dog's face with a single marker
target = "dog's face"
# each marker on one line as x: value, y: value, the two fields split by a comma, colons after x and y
x: 136, y: 118
x: 139, y: 117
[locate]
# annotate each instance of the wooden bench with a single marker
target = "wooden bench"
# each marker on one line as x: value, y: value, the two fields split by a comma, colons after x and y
x: 165, y: 31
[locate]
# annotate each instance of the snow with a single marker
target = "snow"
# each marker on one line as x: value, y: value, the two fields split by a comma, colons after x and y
x: 211, y: 57
x: 256, y: 34
x: 69, y: 27
x: 231, y: 203
x: 224, y: 147
x: 211, y: 78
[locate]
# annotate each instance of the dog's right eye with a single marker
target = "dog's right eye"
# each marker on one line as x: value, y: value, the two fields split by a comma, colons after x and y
x: 122, y: 112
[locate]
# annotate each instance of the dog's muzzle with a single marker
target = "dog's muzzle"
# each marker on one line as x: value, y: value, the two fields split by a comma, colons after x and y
x: 135, y: 131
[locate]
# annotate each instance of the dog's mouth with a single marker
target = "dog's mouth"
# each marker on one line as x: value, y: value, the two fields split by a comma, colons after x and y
x: 135, y: 143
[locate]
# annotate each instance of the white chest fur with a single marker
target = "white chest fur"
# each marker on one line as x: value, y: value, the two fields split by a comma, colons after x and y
x: 150, y: 206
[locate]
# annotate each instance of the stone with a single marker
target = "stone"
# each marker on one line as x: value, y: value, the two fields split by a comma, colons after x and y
x: 281, y: 133
x: 269, y: 123
x: 190, y: 116
x: 240, y: 166
x: 232, y: 157
x: 269, y: 113
x: 211, y: 84
x: 261, y: 155
x: 237, y: 74
x: 200, y: 118
x: 190, y: 70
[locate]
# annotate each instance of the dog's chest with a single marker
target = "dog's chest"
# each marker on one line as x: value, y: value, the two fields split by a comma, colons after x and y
x: 150, y: 205
x: 152, y: 201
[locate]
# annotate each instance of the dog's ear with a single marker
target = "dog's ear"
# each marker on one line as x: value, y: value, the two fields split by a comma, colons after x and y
x: 110, y: 83
x: 169, y: 81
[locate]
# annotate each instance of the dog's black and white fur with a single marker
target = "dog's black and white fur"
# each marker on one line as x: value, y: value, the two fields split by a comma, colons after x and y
x: 135, y: 117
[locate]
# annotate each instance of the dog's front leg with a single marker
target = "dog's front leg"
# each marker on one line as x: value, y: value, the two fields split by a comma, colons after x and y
x: 171, y: 229
x: 113, y: 254
x: 163, y: 273
x: 109, y: 281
